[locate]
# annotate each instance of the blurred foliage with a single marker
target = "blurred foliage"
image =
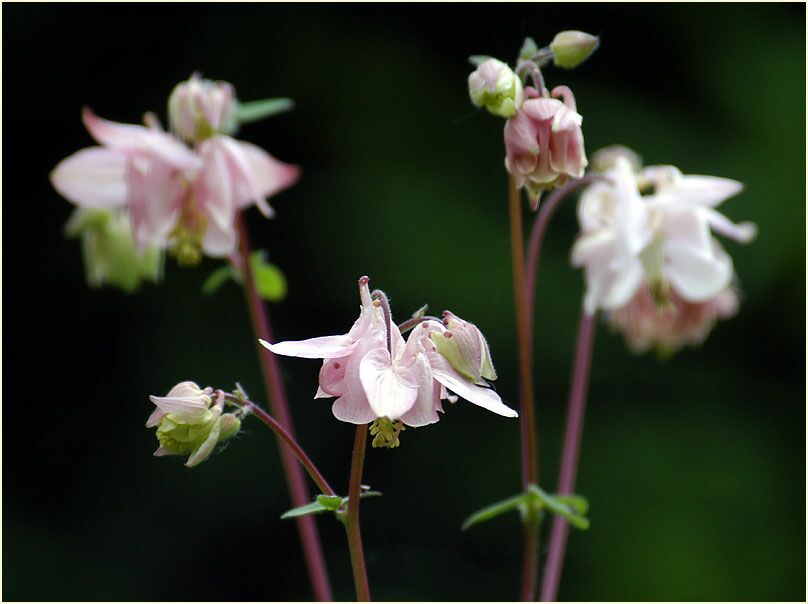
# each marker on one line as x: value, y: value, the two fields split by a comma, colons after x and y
x: 694, y: 468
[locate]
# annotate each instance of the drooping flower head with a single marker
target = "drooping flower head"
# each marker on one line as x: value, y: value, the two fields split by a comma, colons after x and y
x: 657, y: 244
x: 180, y: 198
x: 189, y: 422
x: 376, y: 377
x: 544, y: 142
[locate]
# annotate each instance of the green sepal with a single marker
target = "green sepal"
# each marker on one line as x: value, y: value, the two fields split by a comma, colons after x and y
x: 478, y: 60
x: 219, y: 277
x: 529, y: 49
x: 572, y: 507
x: 252, y: 111
x: 325, y: 503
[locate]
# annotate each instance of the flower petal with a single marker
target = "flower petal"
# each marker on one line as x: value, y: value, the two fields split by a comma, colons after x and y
x: 696, y: 275
x: 206, y: 448
x: 391, y: 390
x: 332, y: 374
x: 189, y: 410
x: 324, y: 347
x: 154, y: 194
x: 482, y: 397
x: 424, y: 411
x: 354, y: 410
x: 92, y: 178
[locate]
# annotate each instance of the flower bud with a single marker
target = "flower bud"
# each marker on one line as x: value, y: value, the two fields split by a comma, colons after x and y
x: 109, y: 250
x: 571, y: 48
x: 496, y: 87
x: 464, y: 346
x: 198, y: 109
x: 606, y: 158
x: 189, y: 423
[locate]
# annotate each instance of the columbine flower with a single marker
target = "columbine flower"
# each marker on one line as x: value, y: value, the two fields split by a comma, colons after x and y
x: 646, y: 324
x: 372, y: 383
x: 466, y: 349
x: 198, y: 109
x: 496, y: 87
x: 178, y: 198
x: 189, y: 423
x: 544, y: 142
x: 633, y: 246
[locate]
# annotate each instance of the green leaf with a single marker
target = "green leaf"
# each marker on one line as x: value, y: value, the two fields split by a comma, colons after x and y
x: 529, y: 49
x: 219, y: 277
x: 314, y: 507
x: 494, y: 510
x: 269, y: 280
x: 478, y: 60
x: 331, y: 502
x: 252, y: 111
x: 567, y: 506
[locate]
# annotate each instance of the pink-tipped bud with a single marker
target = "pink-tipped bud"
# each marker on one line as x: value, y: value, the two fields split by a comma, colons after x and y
x: 198, y: 108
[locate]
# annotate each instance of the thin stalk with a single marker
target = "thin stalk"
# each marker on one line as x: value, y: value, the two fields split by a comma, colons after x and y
x: 570, y: 453
x: 527, y: 418
x: 276, y: 395
x: 360, y: 573
x: 288, y: 440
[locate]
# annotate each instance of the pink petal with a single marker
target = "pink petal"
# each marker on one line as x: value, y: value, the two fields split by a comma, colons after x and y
x: 269, y: 175
x: 423, y: 412
x: 332, y: 375
x: 482, y: 397
x: 155, y: 418
x: 353, y: 410
x: 162, y: 451
x: 92, y: 178
x: 155, y: 192
x: 324, y: 347
x: 391, y: 391
x: 185, y: 409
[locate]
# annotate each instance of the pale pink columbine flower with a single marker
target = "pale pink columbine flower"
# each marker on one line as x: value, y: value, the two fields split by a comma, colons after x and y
x: 659, y: 244
x: 544, y: 142
x: 199, y: 108
x: 371, y: 383
x: 189, y: 423
x: 177, y: 197
x: 646, y: 324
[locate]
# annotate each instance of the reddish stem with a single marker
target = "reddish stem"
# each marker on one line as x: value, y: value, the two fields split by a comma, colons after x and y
x: 276, y: 394
x: 527, y: 418
x: 360, y: 573
x: 570, y: 453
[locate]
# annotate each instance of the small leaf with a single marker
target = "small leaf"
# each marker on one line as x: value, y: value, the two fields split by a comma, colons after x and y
x: 529, y: 49
x: 331, y: 502
x: 252, y: 111
x: 567, y: 506
x: 368, y: 494
x: 478, y: 60
x: 314, y: 507
x: 218, y: 278
x: 494, y: 510
x: 269, y: 280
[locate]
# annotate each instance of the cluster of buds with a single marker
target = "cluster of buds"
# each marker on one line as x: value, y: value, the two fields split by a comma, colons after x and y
x: 543, y: 138
x: 177, y: 197
x: 649, y: 257
x: 378, y: 376
x: 189, y: 422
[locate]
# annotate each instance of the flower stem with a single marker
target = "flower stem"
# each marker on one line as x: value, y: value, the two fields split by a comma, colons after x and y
x: 276, y: 394
x: 570, y: 453
x: 527, y: 418
x: 360, y: 574
x: 289, y: 440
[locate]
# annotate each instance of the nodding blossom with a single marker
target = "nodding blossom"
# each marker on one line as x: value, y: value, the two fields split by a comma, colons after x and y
x: 647, y: 235
x: 181, y: 198
x: 199, y: 108
x: 188, y: 422
x: 396, y: 380
x: 544, y: 142
x: 496, y: 87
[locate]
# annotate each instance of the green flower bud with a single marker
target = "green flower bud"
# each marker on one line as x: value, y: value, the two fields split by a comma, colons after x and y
x: 571, y: 48
x: 496, y: 87
x: 464, y: 346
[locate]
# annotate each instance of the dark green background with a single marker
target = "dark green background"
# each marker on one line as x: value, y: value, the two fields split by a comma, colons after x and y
x: 695, y: 467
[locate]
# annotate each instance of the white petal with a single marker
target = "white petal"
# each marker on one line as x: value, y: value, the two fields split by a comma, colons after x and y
x: 391, y: 390
x: 324, y: 347
x: 353, y: 410
x: 696, y: 275
x: 423, y: 412
x: 743, y: 232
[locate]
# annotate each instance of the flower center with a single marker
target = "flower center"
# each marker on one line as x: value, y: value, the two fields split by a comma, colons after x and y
x: 385, y: 432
